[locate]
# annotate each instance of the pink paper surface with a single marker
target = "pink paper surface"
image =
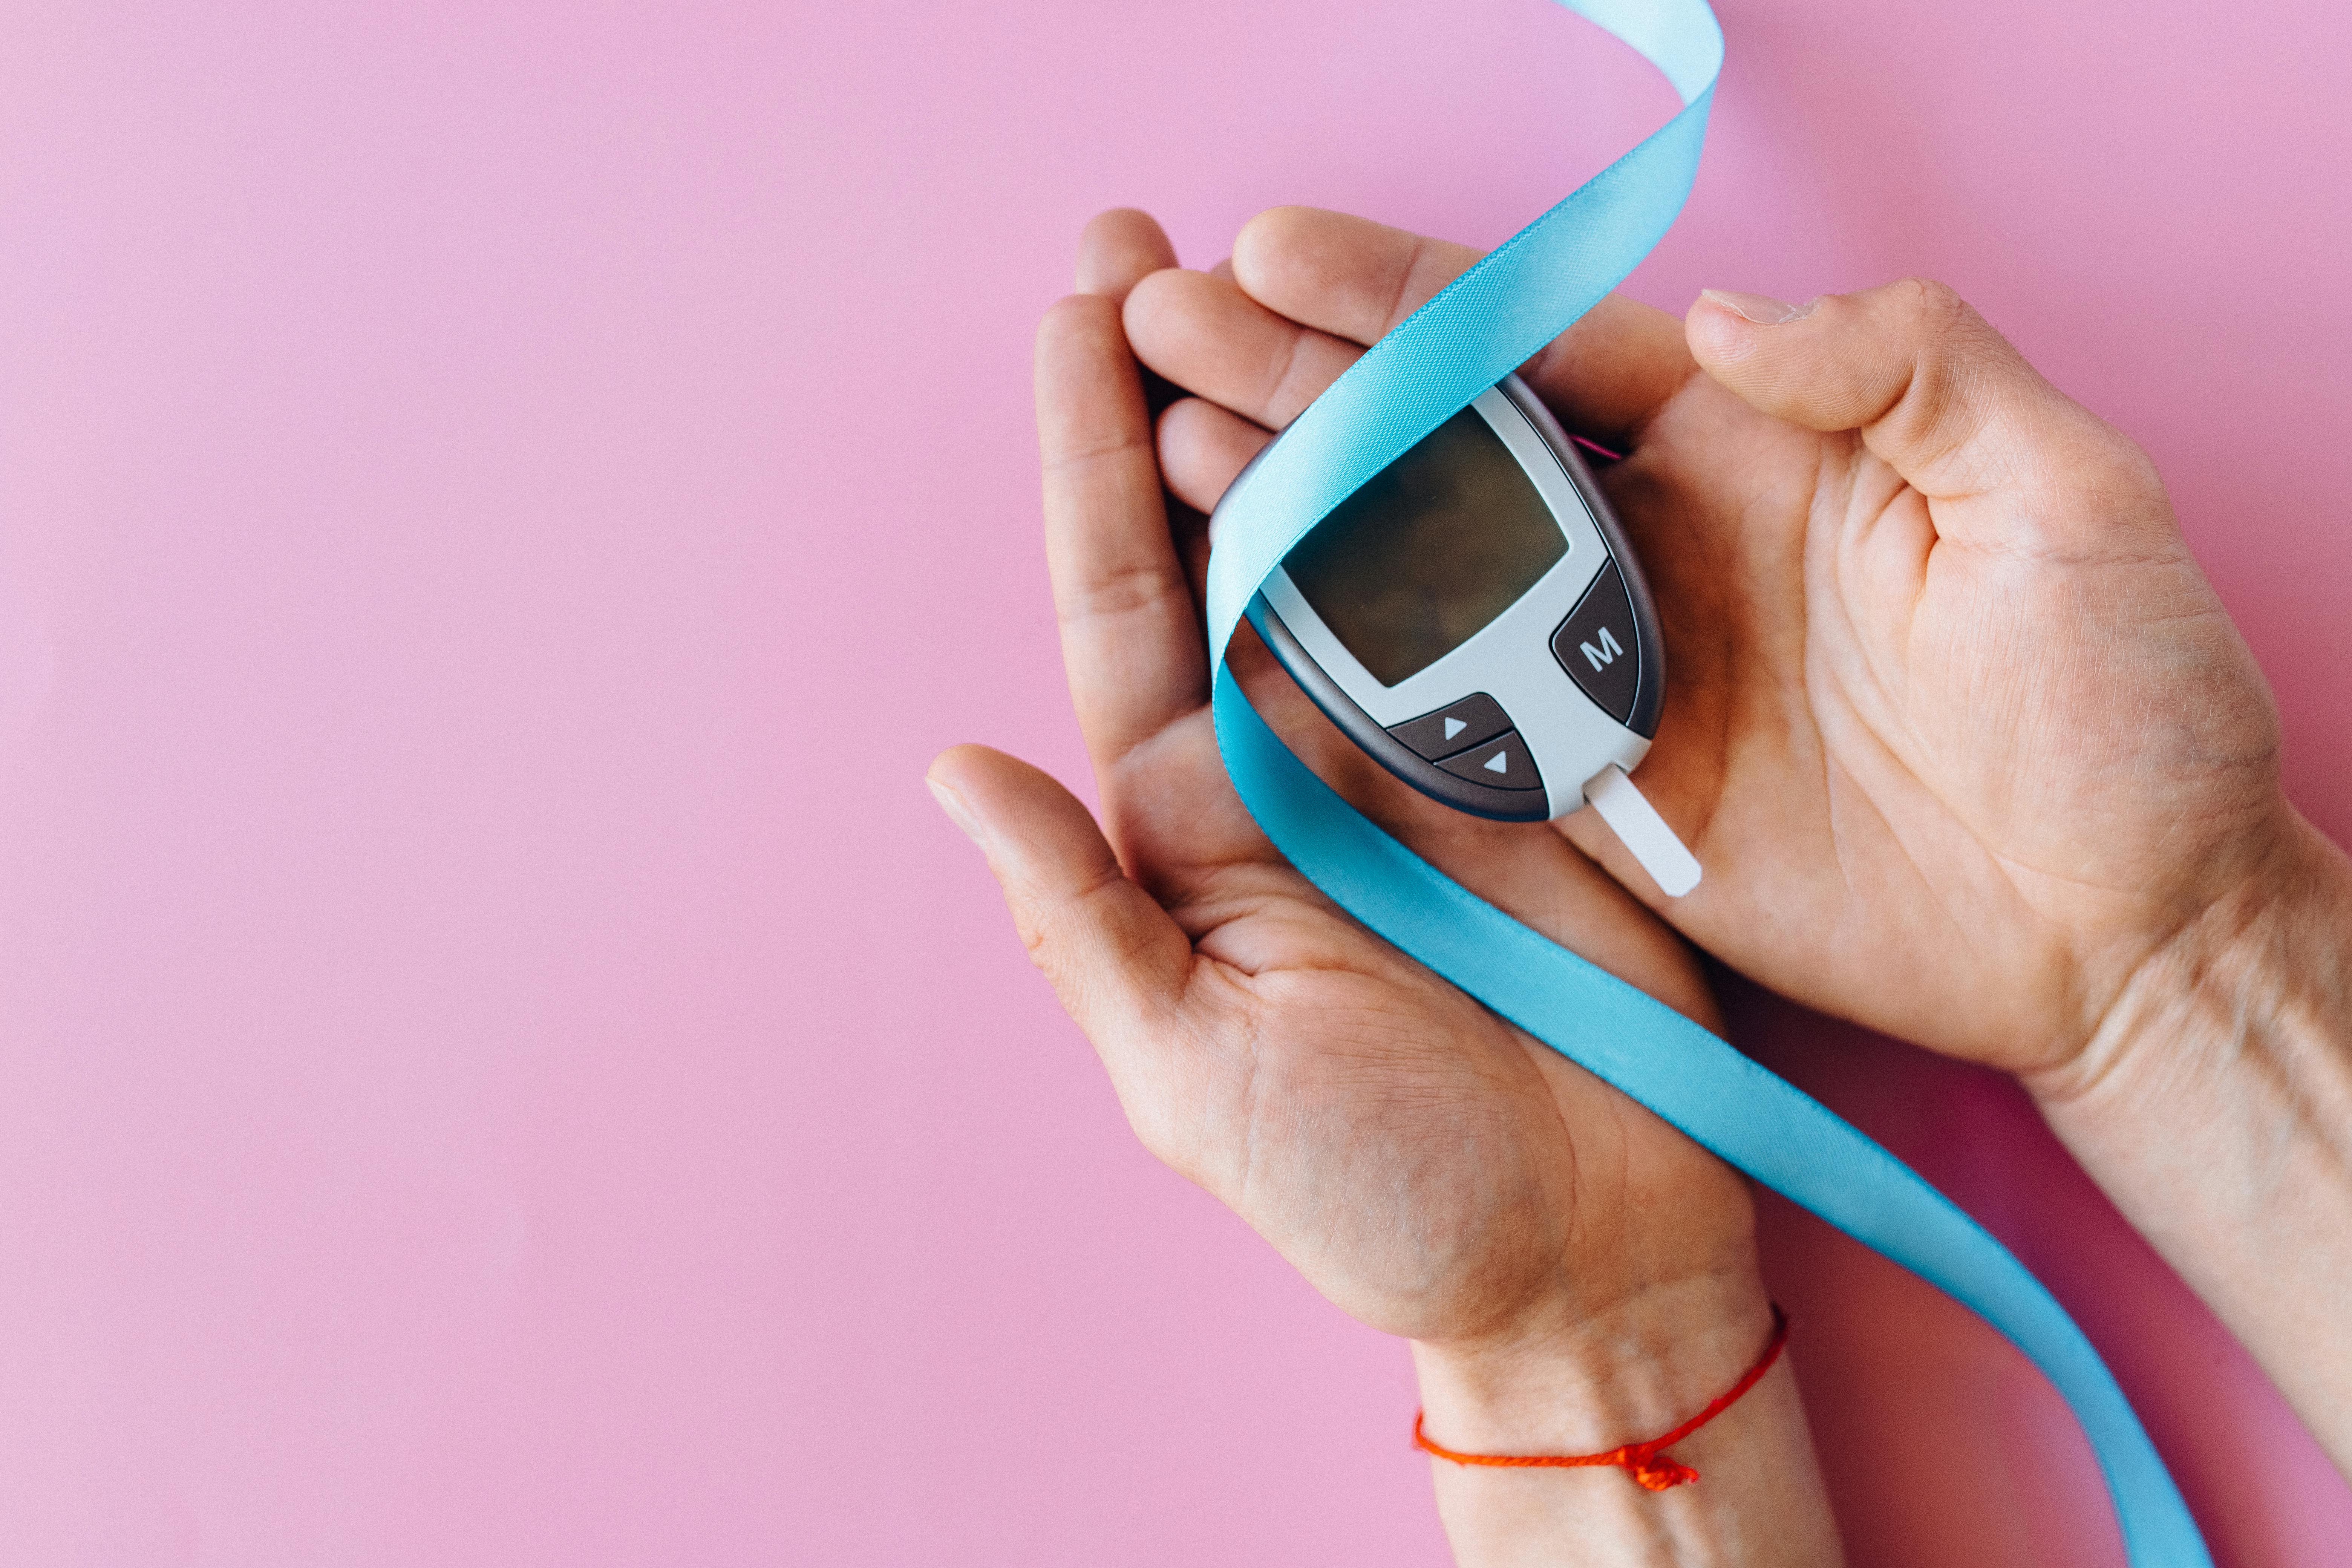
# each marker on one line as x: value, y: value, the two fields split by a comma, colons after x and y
x: 500, y: 1060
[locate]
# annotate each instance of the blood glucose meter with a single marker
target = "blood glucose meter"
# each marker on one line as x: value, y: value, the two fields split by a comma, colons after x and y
x: 1473, y: 617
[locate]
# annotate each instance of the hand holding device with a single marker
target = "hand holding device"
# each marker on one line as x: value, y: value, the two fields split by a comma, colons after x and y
x: 1967, y: 746
x: 1576, y: 1273
x: 1928, y: 742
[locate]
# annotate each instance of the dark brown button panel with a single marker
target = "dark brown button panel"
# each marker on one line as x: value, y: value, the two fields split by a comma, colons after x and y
x: 1599, y: 648
x: 1501, y: 763
x: 1454, y: 726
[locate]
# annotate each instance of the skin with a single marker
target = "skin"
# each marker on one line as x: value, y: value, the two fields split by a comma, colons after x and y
x: 1964, y: 740
x: 1968, y: 745
x: 1574, y: 1274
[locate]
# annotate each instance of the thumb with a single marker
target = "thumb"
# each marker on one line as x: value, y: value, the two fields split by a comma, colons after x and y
x: 1937, y: 394
x: 1114, y: 958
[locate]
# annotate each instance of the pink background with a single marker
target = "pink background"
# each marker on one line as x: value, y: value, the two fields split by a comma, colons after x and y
x: 500, y: 1060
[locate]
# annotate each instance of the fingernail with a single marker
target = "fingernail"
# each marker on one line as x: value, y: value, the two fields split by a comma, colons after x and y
x: 1762, y: 309
x: 958, y: 813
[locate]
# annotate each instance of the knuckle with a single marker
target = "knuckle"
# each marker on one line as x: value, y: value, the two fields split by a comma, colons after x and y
x: 2136, y: 469
x: 1070, y: 934
x: 1035, y: 941
x: 1932, y: 308
x: 1285, y: 375
x: 1406, y: 297
x: 1127, y: 591
x: 2119, y: 472
x: 1083, y: 452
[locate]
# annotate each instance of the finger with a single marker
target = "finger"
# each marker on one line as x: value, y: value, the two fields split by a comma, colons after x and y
x: 1355, y: 278
x: 1206, y: 335
x: 1936, y: 392
x: 1120, y: 964
x: 1130, y: 639
x: 1119, y: 248
x: 1201, y: 448
x: 1113, y: 954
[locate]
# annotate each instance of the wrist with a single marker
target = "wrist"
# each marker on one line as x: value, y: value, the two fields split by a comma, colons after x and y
x: 1570, y: 1378
x: 1587, y: 1381
x: 2214, y: 1106
x: 2263, y: 969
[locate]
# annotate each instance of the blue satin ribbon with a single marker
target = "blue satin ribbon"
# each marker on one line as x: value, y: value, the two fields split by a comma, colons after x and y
x: 1477, y: 329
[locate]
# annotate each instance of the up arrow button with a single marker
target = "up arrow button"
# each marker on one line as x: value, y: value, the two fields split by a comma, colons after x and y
x: 1456, y: 727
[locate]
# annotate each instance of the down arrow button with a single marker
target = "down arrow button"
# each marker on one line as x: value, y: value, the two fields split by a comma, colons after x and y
x: 1501, y: 763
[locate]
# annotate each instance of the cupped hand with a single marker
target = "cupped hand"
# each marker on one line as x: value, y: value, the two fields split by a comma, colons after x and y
x: 1954, y: 722
x: 1432, y: 1169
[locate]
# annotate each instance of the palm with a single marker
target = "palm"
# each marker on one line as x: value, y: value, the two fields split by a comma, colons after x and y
x: 1896, y: 728
x: 1433, y: 1170
x: 1429, y: 1167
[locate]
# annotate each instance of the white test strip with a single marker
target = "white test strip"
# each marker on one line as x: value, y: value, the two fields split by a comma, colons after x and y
x: 1642, y: 830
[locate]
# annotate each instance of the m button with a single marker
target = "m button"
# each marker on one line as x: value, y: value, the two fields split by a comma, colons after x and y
x: 1597, y: 646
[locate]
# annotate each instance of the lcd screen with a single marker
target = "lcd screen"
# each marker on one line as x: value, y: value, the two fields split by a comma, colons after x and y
x: 1430, y: 549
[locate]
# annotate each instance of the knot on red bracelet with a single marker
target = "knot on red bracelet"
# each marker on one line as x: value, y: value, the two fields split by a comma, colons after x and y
x: 1658, y: 1472
x: 1648, y: 1463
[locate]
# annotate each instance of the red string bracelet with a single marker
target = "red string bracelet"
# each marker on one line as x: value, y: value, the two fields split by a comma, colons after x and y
x: 1647, y: 1461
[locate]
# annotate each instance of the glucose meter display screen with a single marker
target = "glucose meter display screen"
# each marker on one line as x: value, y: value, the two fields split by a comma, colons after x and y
x: 1430, y: 549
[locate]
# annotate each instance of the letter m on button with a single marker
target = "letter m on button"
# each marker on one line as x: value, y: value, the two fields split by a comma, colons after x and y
x: 1606, y: 666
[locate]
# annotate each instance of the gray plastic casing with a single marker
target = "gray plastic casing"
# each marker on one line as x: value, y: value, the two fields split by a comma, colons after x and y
x: 1569, y: 737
